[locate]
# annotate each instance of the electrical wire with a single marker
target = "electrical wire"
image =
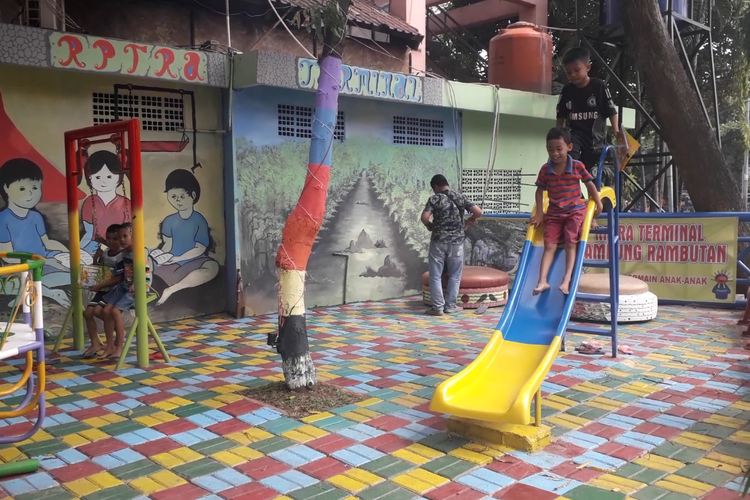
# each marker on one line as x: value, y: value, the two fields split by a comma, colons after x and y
x: 60, y: 14
x: 493, y: 144
x: 223, y: 14
x: 312, y: 56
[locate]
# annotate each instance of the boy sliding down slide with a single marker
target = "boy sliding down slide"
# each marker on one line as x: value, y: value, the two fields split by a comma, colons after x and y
x: 563, y: 222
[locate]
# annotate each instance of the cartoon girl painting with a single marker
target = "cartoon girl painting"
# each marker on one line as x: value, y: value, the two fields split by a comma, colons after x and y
x: 104, y: 174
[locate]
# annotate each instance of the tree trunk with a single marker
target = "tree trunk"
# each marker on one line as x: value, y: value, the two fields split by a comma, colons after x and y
x: 304, y: 222
x: 691, y: 140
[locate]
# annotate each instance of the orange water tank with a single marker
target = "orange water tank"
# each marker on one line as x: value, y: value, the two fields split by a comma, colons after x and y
x: 521, y: 59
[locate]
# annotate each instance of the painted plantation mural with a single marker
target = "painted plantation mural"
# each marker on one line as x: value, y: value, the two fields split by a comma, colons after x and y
x: 495, y: 243
x: 371, y: 245
x: 33, y: 218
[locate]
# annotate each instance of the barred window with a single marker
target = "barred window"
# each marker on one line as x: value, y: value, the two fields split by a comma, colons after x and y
x: 503, y: 189
x: 297, y: 121
x: 157, y: 113
x: 418, y: 131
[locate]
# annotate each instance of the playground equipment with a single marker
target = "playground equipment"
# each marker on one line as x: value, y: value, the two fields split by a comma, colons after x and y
x: 480, y: 286
x: 637, y: 303
x: 24, y: 339
x: 499, y: 385
x: 119, y: 133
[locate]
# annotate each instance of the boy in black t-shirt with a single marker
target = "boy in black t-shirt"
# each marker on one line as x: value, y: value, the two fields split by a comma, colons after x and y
x: 584, y: 106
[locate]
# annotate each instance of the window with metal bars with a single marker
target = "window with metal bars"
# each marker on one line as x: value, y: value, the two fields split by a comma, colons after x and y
x: 503, y: 193
x: 418, y: 131
x: 296, y: 121
x: 157, y: 113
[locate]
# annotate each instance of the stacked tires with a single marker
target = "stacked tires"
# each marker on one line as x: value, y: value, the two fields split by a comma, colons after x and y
x: 637, y: 303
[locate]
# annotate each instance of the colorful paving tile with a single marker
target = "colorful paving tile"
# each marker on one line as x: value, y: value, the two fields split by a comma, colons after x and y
x: 670, y: 422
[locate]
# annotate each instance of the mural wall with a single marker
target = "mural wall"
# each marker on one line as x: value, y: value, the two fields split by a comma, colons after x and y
x: 372, y: 245
x: 182, y: 186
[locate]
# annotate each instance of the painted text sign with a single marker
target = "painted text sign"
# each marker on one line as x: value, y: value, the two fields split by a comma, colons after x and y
x: 364, y: 82
x: 691, y: 259
x: 103, y: 55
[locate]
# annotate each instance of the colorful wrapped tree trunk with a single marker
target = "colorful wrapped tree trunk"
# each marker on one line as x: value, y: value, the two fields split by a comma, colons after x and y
x: 304, y: 223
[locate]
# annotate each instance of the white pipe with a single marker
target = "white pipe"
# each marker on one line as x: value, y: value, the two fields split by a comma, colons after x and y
x: 229, y: 29
x: 230, y: 104
x: 670, y: 185
x: 746, y: 166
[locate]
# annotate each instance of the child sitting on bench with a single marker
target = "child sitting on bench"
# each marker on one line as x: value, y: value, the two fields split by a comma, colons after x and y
x: 95, y: 309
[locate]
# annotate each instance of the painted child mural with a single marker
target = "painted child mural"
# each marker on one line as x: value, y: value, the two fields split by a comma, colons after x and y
x: 104, y: 175
x: 182, y: 260
x: 23, y: 228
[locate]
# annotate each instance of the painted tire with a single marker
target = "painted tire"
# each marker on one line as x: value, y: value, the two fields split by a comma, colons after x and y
x: 633, y: 309
x: 469, y: 298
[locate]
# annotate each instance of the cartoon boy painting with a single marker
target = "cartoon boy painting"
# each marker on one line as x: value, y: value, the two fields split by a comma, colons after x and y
x: 182, y: 260
x: 23, y: 229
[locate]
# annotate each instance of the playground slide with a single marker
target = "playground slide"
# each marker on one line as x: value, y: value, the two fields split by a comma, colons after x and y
x: 500, y: 384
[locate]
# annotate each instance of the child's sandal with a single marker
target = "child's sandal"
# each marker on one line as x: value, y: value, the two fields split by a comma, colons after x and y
x: 589, y: 348
x: 91, y: 354
x: 624, y: 349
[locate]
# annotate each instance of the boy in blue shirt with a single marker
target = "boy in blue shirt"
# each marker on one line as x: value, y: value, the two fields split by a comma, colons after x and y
x: 110, y: 258
x: 121, y: 298
x: 23, y: 229
x: 182, y: 259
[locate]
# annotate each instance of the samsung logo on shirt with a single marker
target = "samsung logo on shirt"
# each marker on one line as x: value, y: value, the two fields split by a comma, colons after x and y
x: 587, y: 115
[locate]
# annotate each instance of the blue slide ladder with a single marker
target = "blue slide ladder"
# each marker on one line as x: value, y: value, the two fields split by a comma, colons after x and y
x: 612, y: 230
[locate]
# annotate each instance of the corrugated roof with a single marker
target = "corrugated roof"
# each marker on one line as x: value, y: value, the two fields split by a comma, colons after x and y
x: 364, y: 13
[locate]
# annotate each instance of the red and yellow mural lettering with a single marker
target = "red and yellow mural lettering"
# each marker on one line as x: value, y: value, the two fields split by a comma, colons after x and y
x: 134, y: 48
x: 96, y: 54
x: 73, y: 47
x: 108, y: 52
x: 191, y: 70
x: 167, y: 57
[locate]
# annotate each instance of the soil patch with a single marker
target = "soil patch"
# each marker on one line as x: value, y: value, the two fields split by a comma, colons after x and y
x: 322, y: 398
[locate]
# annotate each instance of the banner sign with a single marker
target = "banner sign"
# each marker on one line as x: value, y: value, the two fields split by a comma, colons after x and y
x: 691, y: 259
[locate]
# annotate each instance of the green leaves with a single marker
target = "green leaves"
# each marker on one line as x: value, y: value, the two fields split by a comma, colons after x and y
x: 327, y: 19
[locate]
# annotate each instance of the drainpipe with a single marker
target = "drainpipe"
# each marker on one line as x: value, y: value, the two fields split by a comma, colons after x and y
x: 746, y: 166
x: 229, y: 29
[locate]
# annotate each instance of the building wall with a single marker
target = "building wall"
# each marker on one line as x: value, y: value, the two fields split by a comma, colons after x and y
x: 34, y: 116
x: 377, y: 193
x: 520, y: 146
x: 188, y: 24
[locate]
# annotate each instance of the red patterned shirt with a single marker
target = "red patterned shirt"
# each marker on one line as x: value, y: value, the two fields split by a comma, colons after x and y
x: 564, y: 190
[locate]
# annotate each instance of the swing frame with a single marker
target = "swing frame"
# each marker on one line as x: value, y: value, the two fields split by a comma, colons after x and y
x: 125, y: 132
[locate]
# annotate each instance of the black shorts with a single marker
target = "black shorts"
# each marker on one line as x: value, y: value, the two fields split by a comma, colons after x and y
x: 589, y: 158
x: 98, y: 299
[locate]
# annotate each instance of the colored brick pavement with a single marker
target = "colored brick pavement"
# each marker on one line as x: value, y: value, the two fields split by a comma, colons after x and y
x: 670, y: 422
